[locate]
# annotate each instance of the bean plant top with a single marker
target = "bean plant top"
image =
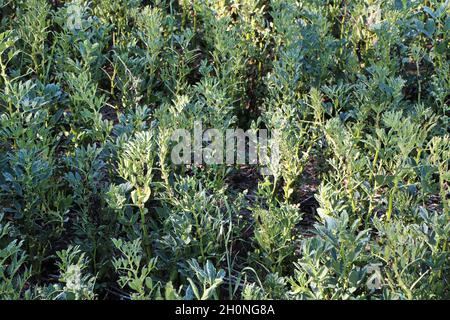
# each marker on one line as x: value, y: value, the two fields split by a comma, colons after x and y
x: 350, y: 199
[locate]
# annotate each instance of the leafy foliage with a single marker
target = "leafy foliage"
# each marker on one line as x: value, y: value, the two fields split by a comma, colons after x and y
x: 91, y: 93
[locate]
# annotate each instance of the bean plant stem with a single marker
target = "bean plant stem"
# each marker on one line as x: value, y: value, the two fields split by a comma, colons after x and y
x: 144, y: 231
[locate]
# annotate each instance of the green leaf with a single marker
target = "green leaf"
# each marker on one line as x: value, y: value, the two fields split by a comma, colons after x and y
x: 194, y: 289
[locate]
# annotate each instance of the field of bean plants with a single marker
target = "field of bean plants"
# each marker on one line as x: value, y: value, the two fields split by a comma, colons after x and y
x: 93, y: 208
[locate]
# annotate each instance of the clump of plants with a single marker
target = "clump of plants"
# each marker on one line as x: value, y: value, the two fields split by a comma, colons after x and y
x: 355, y: 96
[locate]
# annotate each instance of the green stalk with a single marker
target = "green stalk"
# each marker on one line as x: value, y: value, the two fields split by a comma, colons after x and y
x: 375, y: 160
x: 144, y: 231
x: 391, y: 201
x: 286, y: 190
x: 443, y: 193
x: 419, y: 84
x: 200, y: 237
x: 275, y: 182
x: 195, y: 15
x: 7, y: 85
x: 183, y: 19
